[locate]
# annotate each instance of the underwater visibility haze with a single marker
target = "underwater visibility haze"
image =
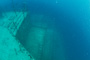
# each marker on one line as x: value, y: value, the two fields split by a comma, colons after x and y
x: 53, y: 29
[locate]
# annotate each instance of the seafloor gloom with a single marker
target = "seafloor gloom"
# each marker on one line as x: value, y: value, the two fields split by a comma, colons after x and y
x: 45, y: 30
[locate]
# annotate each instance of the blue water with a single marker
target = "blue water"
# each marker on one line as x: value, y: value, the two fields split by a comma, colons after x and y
x: 72, y: 21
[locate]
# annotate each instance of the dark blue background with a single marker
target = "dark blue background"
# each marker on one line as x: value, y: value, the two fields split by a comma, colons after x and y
x: 72, y: 20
